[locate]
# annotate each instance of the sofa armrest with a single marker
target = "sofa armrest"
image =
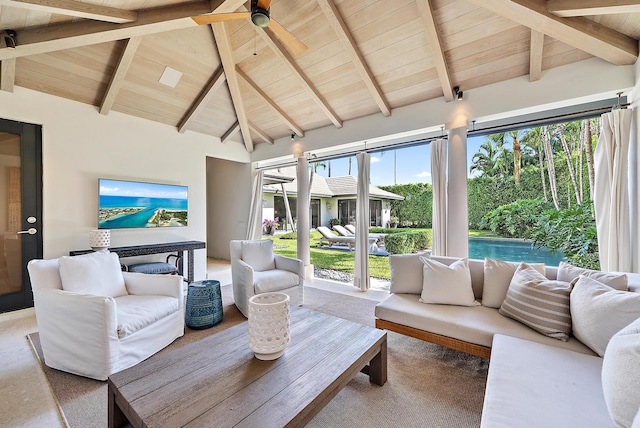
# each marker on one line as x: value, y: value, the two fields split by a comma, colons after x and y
x: 290, y: 264
x: 78, y: 332
x: 243, y: 289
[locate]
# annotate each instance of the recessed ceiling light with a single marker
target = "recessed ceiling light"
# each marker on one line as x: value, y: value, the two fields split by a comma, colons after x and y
x: 170, y: 77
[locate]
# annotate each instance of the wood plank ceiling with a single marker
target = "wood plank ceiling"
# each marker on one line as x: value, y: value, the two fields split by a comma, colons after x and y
x: 241, y: 84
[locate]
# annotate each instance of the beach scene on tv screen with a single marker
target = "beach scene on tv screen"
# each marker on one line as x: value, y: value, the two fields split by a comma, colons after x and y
x: 129, y: 204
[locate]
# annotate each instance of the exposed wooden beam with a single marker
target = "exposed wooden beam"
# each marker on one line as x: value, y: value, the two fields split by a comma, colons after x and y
x: 77, y: 9
x: 215, y: 82
x: 72, y: 35
x: 581, y: 33
x: 230, y: 132
x: 260, y: 133
x: 7, y: 74
x: 270, y: 103
x: 226, y: 56
x: 567, y: 8
x: 437, y: 52
x: 126, y: 58
x: 272, y: 41
x: 298, y: 73
x: 535, y: 55
x: 341, y: 29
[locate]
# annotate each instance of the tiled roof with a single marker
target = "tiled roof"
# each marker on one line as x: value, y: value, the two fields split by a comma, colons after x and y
x: 346, y: 185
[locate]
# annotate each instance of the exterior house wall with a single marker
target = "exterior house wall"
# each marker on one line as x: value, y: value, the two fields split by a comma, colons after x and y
x: 80, y: 146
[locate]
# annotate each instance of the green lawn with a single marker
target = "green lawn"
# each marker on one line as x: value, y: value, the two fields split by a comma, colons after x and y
x: 342, y: 260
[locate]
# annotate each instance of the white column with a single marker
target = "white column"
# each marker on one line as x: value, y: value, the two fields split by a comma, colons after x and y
x: 457, y: 201
x: 303, y: 203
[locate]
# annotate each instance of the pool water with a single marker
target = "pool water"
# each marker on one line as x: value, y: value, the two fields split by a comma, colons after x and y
x: 513, y: 250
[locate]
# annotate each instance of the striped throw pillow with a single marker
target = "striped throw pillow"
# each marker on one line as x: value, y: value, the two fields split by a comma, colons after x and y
x: 538, y: 302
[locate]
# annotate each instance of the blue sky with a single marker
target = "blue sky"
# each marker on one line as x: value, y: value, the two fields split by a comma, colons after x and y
x: 413, y: 164
x: 138, y: 189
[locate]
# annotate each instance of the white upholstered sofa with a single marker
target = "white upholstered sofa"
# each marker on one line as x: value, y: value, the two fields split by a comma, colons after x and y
x: 534, y: 380
x: 95, y: 320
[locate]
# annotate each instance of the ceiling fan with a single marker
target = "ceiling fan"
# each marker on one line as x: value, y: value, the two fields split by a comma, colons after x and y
x: 261, y: 17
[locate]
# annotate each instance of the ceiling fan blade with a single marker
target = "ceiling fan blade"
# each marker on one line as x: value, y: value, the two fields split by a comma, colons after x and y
x: 290, y: 41
x: 219, y: 17
x: 264, y: 4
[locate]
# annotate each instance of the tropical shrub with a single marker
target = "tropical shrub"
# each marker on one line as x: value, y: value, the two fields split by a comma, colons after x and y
x: 572, y: 231
x: 408, y: 241
x: 515, y: 219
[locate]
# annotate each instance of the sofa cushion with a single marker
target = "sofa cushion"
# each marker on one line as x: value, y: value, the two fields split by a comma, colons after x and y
x: 497, y: 277
x: 98, y: 273
x: 568, y: 272
x: 447, y: 285
x: 621, y: 375
x: 538, y: 302
x: 599, y: 311
x: 530, y: 385
x: 259, y: 254
x: 406, y: 273
x: 274, y: 280
x: 475, y: 324
x: 136, y: 312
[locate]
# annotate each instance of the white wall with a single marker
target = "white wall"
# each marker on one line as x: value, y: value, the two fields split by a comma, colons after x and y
x: 229, y: 187
x: 80, y: 145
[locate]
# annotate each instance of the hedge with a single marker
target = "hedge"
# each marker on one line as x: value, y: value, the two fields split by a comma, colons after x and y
x: 407, y: 242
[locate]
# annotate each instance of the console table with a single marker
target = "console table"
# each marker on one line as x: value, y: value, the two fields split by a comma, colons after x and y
x: 165, y: 247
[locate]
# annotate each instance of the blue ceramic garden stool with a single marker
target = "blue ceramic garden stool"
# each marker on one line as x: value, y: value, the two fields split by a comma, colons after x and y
x: 204, y: 304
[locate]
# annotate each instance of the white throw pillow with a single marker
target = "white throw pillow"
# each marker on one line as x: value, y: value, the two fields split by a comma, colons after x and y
x: 621, y: 376
x: 568, y: 272
x: 447, y: 285
x: 259, y: 254
x: 97, y: 273
x: 599, y: 311
x: 539, y: 303
x: 497, y: 277
x: 636, y: 421
x: 406, y: 273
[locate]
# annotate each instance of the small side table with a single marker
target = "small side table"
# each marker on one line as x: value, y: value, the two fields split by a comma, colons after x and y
x: 204, y: 304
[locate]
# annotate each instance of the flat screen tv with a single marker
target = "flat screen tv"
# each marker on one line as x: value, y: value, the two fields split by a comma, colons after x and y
x: 132, y: 204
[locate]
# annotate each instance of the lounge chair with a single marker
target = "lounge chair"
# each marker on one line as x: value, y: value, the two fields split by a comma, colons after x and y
x: 343, y: 231
x: 349, y: 228
x: 329, y: 237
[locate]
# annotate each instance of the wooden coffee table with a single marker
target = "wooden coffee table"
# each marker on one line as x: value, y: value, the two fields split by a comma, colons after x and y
x: 217, y: 381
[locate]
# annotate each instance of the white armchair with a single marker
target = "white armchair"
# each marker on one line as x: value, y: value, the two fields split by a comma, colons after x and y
x: 95, y: 320
x: 255, y: 269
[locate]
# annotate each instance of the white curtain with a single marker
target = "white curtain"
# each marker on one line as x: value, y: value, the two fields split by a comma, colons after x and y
x: 254, y: 224
x: 439, y: 183
x: 361, y: 268
x: 611, y: 194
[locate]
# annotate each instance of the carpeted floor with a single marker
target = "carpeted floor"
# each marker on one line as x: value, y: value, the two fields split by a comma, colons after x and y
x: 428, y: 386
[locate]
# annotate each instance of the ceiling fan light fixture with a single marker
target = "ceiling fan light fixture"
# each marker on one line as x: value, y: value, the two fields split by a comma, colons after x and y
x: 260, y: 17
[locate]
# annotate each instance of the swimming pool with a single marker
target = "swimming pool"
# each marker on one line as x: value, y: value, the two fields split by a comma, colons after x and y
x: 514, y: 250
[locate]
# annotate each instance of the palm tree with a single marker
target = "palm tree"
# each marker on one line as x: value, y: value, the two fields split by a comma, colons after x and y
x: 551, y: 169
x: 533, y: 138
x: 560, y: 132
x: 517, y: 156
x: 484, y: 161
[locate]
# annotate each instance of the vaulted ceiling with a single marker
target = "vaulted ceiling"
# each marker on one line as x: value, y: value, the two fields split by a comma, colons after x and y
x: 238, y: 82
